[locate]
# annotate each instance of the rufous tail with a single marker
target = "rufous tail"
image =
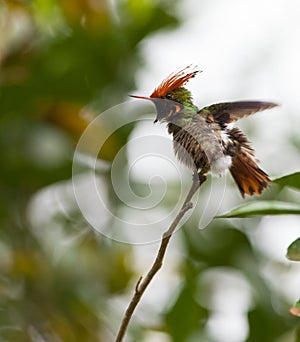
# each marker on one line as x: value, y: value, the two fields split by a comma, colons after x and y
x: 249, y: 178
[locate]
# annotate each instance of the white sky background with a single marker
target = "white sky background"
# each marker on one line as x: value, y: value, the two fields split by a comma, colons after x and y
x: 247, y: 50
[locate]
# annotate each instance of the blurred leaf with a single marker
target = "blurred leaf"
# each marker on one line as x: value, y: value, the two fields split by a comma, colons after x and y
x: 298, y: 334
x: 295, y: 310
x: 259, y: 208
x: 186, y: 315
x: 293, y: 252
x: 265, y: 324
x: 73, y: 120
x: 292, y: 180
x: 213, y: 246
x: 141, y: 16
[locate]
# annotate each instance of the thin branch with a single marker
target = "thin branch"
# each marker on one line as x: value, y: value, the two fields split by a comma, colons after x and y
x: 143, y: 283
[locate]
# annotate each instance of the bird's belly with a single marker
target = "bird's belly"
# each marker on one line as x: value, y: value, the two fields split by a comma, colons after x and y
x: 188, y: 150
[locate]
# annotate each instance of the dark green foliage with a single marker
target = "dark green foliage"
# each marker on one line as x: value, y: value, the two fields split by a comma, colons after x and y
x: 265, y: 324
x: 186, y: 315
x: 298, y: 335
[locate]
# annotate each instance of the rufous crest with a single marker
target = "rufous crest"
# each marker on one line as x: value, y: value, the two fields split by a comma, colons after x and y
x: 173, y: 81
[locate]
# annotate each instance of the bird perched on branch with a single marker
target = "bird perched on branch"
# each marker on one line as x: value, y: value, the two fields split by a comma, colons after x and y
x: 204, y: 139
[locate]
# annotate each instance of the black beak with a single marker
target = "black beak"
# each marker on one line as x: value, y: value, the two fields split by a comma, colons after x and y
x: 141, y: 97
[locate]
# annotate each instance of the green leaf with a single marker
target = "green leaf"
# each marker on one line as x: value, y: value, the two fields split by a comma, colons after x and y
x: 258, y: 208
x: 297, y: 334
x: 292, y: 180
x: 182, y: 326
x: 295, y: 310
x: 293, y: 252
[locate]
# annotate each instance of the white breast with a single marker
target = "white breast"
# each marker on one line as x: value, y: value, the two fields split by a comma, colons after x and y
x: 220, y: 166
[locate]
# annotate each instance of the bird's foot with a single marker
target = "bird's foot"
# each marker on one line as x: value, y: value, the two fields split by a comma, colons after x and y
x: 200, y: 175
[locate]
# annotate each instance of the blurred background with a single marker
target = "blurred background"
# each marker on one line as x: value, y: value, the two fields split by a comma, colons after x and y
x: 62, y: 63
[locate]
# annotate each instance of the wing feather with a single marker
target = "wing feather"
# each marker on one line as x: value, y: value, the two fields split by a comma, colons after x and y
x: 228, y: 112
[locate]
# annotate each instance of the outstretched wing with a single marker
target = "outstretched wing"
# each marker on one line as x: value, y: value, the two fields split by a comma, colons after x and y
x: 227, y: 112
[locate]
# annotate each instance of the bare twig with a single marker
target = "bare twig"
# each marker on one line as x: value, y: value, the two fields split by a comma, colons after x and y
x: 143, y: 283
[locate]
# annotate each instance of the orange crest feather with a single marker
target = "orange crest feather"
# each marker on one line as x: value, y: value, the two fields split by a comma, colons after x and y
x: 173, y: 81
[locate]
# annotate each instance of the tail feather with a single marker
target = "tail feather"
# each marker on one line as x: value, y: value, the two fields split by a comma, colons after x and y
x: 249, y: 178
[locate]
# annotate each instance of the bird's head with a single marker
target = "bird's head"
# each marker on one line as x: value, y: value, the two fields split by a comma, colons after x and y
x: 170, y: 97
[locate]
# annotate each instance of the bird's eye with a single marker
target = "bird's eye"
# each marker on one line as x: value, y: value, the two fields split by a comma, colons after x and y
x: 168, y: 96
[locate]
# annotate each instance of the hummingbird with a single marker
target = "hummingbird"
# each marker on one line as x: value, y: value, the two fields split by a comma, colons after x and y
x: 205, y: 139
